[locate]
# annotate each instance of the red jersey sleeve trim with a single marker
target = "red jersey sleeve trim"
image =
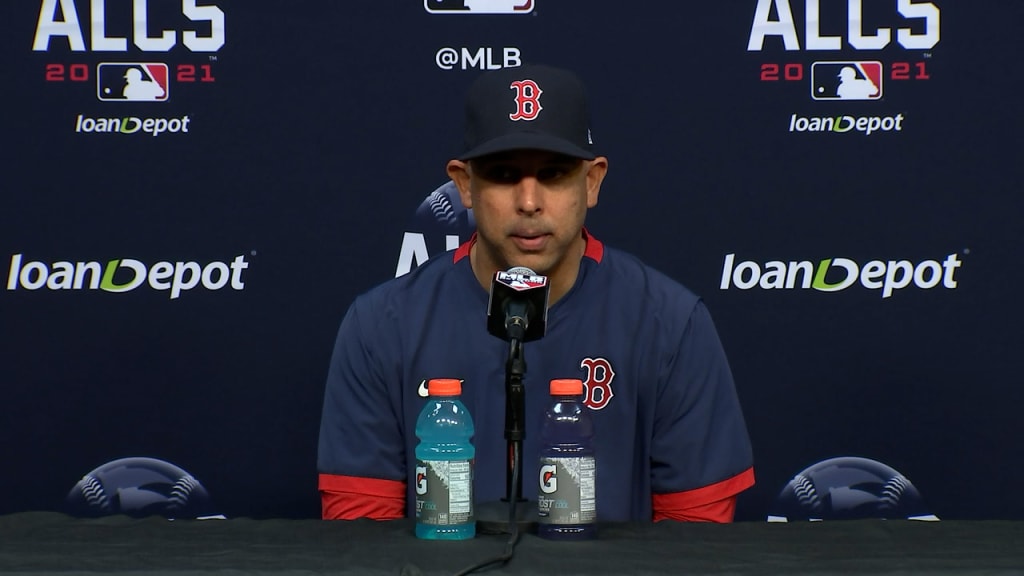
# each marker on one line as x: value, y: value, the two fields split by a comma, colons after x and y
x: 713, y: 503
x: 595, y: 249
x: 351, y: 497
x: 463, y: 250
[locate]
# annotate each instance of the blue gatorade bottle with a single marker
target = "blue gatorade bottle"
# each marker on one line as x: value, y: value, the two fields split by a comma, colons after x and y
x: 444, y: 465
x: 566, y: 496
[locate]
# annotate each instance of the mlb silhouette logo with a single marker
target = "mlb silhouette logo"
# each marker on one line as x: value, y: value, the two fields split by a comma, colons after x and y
x: 846, y: 80
x: 478, y: 6
x: 132, y: 82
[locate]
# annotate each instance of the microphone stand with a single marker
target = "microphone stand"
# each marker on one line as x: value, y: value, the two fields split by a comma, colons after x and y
x: 515, y: 410
x: 518, y: 514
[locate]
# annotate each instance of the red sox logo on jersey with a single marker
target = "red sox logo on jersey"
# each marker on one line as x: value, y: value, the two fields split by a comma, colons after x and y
x: 597, y: 387
x: 527, y: 100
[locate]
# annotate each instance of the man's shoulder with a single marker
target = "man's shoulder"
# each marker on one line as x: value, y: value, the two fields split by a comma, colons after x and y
x: 627, y: 272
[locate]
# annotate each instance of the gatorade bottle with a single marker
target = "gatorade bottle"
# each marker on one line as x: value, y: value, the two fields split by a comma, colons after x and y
x: 444, y: 465
x: 566, y: 499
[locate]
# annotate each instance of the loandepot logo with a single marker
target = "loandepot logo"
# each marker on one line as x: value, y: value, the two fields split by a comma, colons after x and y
x: 835, y: 274
x: 132, y: 124
x: 841, y: 124
x: 125, y: 275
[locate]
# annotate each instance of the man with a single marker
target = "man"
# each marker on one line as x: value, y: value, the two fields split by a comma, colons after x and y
x: 670, y: 442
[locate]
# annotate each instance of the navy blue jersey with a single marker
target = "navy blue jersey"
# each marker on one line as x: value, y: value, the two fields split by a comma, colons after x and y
x: 665, y: 411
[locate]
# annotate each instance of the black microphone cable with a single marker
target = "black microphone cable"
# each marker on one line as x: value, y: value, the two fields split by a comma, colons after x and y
x: 513, y: 539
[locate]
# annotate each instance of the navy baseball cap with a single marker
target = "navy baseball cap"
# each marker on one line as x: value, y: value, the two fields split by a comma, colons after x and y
x: 531, y: 107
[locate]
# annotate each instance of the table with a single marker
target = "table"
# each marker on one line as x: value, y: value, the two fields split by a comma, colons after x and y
x: 51, y: 543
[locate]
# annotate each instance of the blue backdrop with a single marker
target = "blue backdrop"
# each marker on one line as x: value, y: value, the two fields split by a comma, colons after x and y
x: 173, y: 267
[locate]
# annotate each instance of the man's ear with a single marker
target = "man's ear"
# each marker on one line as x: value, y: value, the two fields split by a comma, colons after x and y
x: 458, y: 171
x: 596, y: 170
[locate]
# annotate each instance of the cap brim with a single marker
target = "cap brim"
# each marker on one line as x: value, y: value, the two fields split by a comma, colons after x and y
x: 528, y: 141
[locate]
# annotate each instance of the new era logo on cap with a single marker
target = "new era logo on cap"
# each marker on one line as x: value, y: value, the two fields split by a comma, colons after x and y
x: 527, y: 108
x: 478, y: 6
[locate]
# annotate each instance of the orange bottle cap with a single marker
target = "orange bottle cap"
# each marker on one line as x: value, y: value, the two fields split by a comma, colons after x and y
x: 566, y: 387
x: 444, y: 387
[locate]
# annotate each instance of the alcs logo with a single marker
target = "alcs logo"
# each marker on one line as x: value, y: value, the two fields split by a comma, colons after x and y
x: 915, y: 28
x: 785, y: 27
x: 51, y: 25
x: 200, y: 29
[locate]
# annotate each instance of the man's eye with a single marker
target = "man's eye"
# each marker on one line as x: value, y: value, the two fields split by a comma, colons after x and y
x: 504, y: 174
x: 551, y: 173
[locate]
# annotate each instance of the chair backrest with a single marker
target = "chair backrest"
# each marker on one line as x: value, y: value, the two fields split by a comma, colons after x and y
x: 139, y: 487
x: 849, y: 488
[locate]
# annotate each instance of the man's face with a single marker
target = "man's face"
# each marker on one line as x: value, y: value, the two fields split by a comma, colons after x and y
x: 529, y: 207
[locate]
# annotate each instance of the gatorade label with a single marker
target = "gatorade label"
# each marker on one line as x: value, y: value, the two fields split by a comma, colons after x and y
x: 567, y: 491
x: 444, y: 492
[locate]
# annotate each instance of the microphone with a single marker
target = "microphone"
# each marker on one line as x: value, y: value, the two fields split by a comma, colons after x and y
x: 518, y: 305
x: 517, y: 311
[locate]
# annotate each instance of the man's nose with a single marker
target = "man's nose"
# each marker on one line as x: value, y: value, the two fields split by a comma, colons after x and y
x: 528, y: 195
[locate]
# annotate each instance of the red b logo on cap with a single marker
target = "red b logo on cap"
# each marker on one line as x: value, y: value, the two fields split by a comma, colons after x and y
x: 527, y: 100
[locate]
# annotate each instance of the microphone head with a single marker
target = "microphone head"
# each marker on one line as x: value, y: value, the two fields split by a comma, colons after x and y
x: 518, y: 305
x: 521, y: 270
